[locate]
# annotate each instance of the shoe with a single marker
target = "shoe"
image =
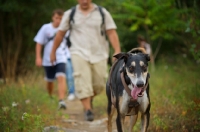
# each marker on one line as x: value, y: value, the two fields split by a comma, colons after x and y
x: 89, y: 116
x: 62, y: 105
x: 71, y: 97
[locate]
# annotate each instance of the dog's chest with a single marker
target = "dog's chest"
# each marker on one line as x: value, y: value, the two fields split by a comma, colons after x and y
x: 125, y: 99
x: 144, y: 102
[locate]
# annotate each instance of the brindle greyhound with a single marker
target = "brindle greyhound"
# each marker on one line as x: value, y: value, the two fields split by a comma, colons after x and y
x: 127, y: 89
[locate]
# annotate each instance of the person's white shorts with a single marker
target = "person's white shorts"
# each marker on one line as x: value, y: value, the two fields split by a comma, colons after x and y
x: 89, y: 79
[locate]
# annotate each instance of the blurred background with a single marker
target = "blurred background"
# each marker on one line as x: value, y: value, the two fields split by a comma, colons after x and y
x: 171, y: 27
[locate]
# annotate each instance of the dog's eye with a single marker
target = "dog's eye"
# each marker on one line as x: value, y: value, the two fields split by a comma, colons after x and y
x: 144, y: 68
x: 131, y: 69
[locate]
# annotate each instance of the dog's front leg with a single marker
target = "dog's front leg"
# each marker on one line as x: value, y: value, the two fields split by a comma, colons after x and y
x: 145, y: 121
x: 110, y: 115
x: 145, y: 117
x: 124, y: 100
x: 133, y: 120
x: 122, y: 122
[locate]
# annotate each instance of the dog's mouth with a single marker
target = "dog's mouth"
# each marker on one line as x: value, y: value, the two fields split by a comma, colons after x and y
x: 137, y: 92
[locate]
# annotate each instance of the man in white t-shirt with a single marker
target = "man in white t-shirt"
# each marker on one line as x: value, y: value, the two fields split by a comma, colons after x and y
x: 89, y: 49
x: 45, y: 37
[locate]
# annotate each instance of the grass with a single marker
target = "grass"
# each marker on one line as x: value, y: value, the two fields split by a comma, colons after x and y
x: 174, y: 92
x: 175, y: 98
x: 25, y: 107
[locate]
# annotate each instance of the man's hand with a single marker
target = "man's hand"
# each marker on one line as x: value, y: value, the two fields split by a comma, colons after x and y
x: 58, y: 39
x: 53, y: 57
x: 38, y: 62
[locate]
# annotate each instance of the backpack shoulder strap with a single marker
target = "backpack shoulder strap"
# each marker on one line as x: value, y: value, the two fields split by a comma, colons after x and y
x: 103, y: 19
x: 102, y: 14
x: 71, y: 20
x: 71, y: 16
x: 50, y: 38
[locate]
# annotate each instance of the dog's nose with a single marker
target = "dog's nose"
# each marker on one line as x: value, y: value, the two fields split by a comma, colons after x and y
x: 140, y: 84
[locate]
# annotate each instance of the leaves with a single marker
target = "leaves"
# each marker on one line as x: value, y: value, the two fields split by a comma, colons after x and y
x: 195, y: 53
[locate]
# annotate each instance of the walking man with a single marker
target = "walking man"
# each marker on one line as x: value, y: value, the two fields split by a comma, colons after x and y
x: 45, y: 37
x: 89, y: 49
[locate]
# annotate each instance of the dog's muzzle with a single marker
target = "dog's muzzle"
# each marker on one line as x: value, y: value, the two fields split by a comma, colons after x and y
x: 137, y: 91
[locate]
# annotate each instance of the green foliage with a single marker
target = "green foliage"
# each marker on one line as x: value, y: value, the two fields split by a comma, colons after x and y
x: 175, y: 101
x: 25, y: 108
x: 158, y: 19
x: 20, y: 20
x: 164, y: 20
x: 196, y: 54
x: 173, y: 23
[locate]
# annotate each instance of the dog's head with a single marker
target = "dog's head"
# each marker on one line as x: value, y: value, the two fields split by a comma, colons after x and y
x: 136, y: 68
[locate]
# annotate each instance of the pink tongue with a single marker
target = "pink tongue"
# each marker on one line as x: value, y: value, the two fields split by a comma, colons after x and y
x: 135, y: 92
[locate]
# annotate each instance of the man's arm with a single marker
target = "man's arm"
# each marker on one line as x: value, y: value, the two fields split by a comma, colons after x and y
x: 114, y: 40
x: 38, y: 50
x: 57, y: 41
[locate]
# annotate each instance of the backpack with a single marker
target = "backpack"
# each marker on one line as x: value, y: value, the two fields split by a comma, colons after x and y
x: 71, y: 20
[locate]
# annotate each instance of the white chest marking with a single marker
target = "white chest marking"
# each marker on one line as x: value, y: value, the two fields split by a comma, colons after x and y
x: 143, y: 101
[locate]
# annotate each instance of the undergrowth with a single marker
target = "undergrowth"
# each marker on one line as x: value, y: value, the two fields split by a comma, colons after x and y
x: 25, y: 107
x: 174, y: 92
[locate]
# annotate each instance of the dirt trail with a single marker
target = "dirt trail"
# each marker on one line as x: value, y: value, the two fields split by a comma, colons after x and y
x: 75, y: 121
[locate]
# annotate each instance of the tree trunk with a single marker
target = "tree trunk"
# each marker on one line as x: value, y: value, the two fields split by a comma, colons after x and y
x: 11, y: 41
x: 151, y: 55
x: 2, y: 51
x: 158, y: 48
x: 18, y: 40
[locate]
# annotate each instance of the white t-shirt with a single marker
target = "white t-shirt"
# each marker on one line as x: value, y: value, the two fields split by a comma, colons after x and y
x: 47, y: 31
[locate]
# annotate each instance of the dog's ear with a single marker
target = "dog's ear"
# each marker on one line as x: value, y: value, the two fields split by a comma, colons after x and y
x: 147, y: 57
x: 122, y: 55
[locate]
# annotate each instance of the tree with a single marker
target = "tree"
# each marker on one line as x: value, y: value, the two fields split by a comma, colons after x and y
x: 19, y: 22
x: 158, y: 20
x: 192, y: 24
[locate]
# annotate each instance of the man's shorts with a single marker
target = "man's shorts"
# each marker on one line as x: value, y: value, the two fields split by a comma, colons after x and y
x: 89, y: 79
x: 51, y: 72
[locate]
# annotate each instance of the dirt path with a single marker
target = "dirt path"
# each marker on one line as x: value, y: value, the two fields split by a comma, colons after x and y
x: 74, y: 122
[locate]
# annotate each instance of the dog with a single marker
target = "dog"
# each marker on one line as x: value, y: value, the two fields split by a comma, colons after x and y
x: 127, y: 90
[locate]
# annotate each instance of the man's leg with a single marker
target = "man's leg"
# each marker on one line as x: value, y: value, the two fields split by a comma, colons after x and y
x: 50, y: 88
x: 83, y: 84
x: 86, y: 103
x: 49, y: 77
x: 99, y: 74
x: 61, y: 87
x: 61, y: 78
